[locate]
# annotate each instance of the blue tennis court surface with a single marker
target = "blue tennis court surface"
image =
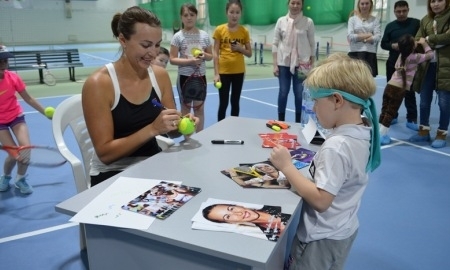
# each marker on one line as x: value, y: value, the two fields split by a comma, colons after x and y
x: 404, y: 220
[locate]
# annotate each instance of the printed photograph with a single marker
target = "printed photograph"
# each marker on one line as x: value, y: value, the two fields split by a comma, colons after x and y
x: 161, y: 200
x: 261, y: 221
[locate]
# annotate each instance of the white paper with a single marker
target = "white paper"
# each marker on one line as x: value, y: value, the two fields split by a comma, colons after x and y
x: 309, y: 130
x: 106, y: 209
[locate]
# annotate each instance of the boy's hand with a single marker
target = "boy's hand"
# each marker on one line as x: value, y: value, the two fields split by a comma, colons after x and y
x: 280, y: 157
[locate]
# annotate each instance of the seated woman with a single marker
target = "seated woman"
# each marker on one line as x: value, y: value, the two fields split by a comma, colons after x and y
x: 117, y: 99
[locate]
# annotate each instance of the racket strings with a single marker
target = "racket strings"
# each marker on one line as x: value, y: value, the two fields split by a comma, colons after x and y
x: 47, y: 157
x: 194, y: 89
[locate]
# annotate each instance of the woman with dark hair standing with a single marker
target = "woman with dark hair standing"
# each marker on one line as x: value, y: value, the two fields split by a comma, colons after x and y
x: 121, y: 118
x: 292, y: 51
x: 435, y: 75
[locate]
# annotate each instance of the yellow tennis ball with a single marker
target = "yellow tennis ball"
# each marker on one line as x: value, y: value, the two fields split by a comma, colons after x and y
x: 186, y: 126
x: 308, y: 7
x: 49, y: 111
x: 197, y: 53
x: 218, y: 85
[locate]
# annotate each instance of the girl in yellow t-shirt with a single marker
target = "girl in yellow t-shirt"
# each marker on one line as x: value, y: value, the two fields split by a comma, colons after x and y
x: 231, y: 43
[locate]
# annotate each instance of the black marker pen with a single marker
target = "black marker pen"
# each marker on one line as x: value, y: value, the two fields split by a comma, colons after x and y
x: 227, y: 142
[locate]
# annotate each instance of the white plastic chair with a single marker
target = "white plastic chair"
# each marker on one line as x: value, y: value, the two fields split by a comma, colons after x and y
x: 70, y: 113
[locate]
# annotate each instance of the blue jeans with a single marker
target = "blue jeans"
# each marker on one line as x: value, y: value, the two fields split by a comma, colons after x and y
x: 284, y: 79
x: 426, y: 98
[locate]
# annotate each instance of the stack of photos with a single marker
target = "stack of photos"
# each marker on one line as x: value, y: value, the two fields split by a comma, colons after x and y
x: 260, y: 221
x: 162, y: 200
x: 257, y: 175
x: 272, y: 139
x: 264, y: 174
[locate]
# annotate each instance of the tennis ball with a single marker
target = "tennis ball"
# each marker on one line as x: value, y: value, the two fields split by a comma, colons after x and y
x: 49, y: 111
x: 197, y: 53
x: 186, y: 126
x: 218, y: 85
x: 308, y: 7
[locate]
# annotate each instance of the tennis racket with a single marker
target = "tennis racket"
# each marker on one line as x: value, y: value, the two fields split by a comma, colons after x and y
x: 38, y: 156
x: 193, y: 91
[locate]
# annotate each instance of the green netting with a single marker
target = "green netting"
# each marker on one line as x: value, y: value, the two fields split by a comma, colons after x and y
x: 168, y: 11
x: 280, y: 8
x: 257, y: 12
x: 328, y: 11
x: 165, y: 10
x: 216, y: 12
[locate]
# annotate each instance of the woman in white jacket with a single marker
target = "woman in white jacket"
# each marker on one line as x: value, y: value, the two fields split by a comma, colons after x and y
x: 293, y: 55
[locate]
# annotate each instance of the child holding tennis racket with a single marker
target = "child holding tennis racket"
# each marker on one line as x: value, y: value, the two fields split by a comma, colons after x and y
x: 342, y: 88
x: 117, y: 99
x: 189, y: 49
x: 12, y: 122
x: 231, y: 44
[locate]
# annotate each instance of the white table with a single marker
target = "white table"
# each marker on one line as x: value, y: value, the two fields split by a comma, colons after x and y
x: 171, y: 243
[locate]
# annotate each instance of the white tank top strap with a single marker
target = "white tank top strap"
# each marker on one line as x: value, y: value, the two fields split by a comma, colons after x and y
x: 154, y: 82
x: 112, y: 73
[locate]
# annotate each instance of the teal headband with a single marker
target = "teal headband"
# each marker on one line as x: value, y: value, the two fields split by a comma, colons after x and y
x: 370, y: 112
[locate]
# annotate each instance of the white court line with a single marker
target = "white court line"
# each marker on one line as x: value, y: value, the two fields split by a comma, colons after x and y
x: 67, y: 225
x: 265, y: 103
x: 38, y: 232
x: 415, y: 145
x: 98, y: 58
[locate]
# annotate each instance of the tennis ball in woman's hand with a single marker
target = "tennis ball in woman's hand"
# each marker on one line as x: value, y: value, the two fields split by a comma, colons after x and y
x: 197, y: 53
x: 49, y: 111
x: 186, y: 126
x: 218, y: 85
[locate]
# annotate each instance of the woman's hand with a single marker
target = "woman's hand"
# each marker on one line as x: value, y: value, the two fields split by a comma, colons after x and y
x: 192, y: 117
x: 422, y: 41
x: 167, y: 121
x: 276, y: 72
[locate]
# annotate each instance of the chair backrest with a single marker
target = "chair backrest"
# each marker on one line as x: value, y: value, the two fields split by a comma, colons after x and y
x: 70, y: 113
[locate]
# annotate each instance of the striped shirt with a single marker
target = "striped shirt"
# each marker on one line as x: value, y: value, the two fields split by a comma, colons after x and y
x: 411, y: 63
x: 185, y: 42
x: 358, y: 26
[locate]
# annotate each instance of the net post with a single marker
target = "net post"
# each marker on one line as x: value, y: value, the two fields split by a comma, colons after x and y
x: 261, y: 57
x: 256, y: 48
x: 317, y: 51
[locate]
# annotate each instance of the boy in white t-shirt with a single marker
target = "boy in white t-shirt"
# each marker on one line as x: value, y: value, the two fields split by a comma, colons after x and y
x: 341, y: 88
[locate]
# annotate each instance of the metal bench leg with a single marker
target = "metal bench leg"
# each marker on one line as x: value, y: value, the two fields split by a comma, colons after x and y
x: 72, y: 74
x: 41, y: 76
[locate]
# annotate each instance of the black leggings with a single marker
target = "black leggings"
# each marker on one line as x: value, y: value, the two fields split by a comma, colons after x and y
x: 235, y: 81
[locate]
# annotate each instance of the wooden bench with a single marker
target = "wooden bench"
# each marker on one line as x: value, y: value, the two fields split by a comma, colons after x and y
x: 28, y: 60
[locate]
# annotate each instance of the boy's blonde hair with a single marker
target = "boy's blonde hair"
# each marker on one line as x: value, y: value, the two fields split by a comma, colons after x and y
x: 341, y: 72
